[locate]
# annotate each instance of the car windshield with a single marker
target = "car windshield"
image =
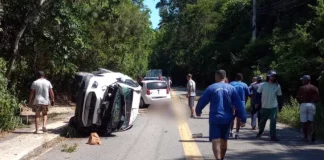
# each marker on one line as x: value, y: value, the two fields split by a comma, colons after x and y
x: 151, y: 78
x: 156, y: 85
x: 128, y: 82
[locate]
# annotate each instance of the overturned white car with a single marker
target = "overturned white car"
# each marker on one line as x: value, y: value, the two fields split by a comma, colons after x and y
x: 106, y: 101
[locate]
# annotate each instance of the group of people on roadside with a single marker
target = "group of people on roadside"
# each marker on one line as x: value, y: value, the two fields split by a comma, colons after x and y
x: 228, y: 102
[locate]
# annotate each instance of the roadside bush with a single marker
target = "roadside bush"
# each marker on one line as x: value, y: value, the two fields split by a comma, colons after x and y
x: 290, y: 113
x: 9, y: 106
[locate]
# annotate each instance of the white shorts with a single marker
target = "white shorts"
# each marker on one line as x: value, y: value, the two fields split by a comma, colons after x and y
x: 307, y: 112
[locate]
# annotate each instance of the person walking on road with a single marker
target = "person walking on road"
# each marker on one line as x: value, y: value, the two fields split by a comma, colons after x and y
x: 307, y: 96
x: 40, y: 97
x: 169, y: 83
x: 271, y: 99
x: 191, y: 87
x: 160, y: 77
x: 255, y: 112
x: 244, y: 92
x: 222, y: 97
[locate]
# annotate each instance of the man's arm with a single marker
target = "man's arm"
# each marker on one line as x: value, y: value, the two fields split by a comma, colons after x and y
x: 31, y: 97
x: 316, y: 96
x: 247, y: 93
x: 298, y: 96
x: 203, y: 101
x: 279, y: 98
x: 258, y: 96
x: 190, y: 89
x: 51, y: 94
x: 240, y: 110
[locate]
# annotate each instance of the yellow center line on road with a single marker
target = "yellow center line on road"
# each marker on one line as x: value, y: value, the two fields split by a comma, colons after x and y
x: 190, y: 147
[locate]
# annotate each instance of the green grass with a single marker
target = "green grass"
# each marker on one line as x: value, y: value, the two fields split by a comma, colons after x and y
x: 69, y: 149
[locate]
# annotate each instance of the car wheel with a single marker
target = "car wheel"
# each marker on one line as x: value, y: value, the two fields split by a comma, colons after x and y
x: 72, y: 122
x: 142, y: 103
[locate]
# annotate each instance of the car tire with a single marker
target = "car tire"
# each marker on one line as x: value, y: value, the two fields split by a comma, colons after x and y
x: 72, y: 122
x: 143, y: 104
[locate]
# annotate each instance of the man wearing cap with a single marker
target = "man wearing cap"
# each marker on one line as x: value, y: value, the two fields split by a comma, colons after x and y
x: 255, y: 113
x: 222, y: 97
x: 271, y: 99
x: 307, y: 96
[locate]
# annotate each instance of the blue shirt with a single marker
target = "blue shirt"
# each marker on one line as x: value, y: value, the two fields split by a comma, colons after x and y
x: 242, y: 90
x: 221, y: 97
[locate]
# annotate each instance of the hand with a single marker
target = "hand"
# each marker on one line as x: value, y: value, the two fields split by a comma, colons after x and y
x: 52, y: 102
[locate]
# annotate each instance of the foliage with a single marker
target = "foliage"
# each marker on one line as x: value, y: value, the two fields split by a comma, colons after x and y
x: 69, y: 149
x: 290, y: 113
x: 62, y: 37
x: 9, y: 106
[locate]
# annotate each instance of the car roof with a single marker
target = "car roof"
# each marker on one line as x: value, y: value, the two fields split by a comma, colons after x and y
x: 150, y: 81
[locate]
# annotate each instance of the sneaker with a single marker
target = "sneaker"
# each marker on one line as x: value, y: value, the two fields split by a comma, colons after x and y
x: 258, y: 135
x: 253, y: 128
x: 230, y: 134
x: 237, y: 136
x: 192, y: 116
x: 44, y: 129
x: 275, y: 139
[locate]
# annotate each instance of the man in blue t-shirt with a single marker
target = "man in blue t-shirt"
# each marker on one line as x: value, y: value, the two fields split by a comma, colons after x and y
x: 244, y: 93
x: 222, y: 98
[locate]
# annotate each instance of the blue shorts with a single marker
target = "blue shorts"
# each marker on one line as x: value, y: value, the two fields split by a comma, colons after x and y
x: 219, y: 131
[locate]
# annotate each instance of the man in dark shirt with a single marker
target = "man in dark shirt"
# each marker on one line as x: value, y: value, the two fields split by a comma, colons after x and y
x: 307, y: 96
x: 255, y: 113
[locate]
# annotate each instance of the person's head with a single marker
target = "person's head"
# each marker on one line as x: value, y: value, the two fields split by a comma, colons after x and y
x: 40, y: 74
x: 189, y: 77
x: 239, y: 77
x: 139, y: 78
x: 220, y: 75
x: 272, y: 76
x: 169, y: 78
x: 254, y: 79
x: 259, y: 79
x: 305, y: 79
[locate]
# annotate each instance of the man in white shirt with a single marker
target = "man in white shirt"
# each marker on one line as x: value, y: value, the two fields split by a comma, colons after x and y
x: 169, y: 83
x: 191, y: 87
x: 40, y: 97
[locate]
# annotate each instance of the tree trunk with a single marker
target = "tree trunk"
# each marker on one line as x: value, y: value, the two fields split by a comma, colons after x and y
x: 21, y: 31
x: 15, y: 49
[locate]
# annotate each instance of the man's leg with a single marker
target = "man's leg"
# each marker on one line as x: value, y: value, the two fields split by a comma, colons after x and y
x: 44, y: 114
x: 238, y: 126
x: 217, y: 148
x: 303, y: 119
x: 223, y: 148
x: 259, y: 117
x: 264, y: 117
x: 191, y: 105
x: 37, y: 116
x: 273, y: 123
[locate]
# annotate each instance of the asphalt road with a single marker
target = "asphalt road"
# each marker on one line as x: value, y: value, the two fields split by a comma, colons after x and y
x: 159, y: 134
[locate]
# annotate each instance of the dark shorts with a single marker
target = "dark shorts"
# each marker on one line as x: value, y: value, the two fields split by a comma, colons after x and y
x: 191, y: 101
x: 219, y: 131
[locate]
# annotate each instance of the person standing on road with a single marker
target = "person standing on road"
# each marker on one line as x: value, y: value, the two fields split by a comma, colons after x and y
x: 255, y: 112
x: 222, y: 97
x: 160, y: 77
x: 191, y: 87
x: 40, y: 97
x: 169, y: 83
x: 271, y: 99
x: 307, y: 96
x: 244, y: 92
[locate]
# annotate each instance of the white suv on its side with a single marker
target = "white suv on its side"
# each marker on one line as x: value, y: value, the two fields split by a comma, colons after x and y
x: 154, y: 91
